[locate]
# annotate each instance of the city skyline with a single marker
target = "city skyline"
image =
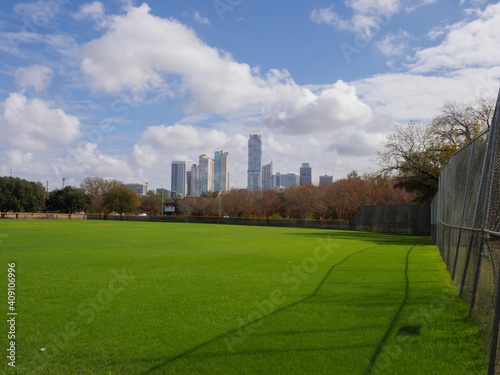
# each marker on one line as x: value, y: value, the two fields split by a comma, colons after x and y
x: 106, y: 89
x: 210, y: 174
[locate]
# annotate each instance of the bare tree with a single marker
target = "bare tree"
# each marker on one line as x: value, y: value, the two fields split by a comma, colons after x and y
x: 150, y: 205
x: 459, y: 124
x: 96, y: 187
x: 415, y: 153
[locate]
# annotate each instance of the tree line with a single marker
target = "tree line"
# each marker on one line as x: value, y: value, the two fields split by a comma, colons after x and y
x: 95, y: 195
x: 339, y: 200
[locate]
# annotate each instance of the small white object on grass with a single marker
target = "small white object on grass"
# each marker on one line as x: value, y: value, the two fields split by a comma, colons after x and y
x: 42, y: 350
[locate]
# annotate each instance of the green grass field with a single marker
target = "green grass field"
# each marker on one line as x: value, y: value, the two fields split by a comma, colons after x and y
x: 155, y: 298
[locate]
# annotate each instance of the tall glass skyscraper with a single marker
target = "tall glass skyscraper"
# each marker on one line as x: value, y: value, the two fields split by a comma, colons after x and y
x: 195, y: 181
x: 221, y: 171
x: 255, y: 162
x: 305, y: 174
x: 178, y: 183
x: 267, y: 176
x: 206, y: 174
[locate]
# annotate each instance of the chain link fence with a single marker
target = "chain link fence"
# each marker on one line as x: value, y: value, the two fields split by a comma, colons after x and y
x: 407, y: 219
x: 465, y: 217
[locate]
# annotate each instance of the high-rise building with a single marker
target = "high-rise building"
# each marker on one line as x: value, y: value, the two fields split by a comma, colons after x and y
x: 267, y: 176
x: 206, y: 174
x: 289, y: 179
x: 285, y: 180
x: 195, y: 181
x: 178, y: 184
x: 305, y: 174
x: 138, y: 188
x: 254, y: 162
x: 276, y: 180
x: 162, y: 191
x: 325, y: 180
x: 221, y: 171
x: 189, y: 183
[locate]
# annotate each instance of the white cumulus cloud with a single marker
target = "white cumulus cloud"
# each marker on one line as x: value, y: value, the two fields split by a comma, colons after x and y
x: 87, y: 160
x: 93, y: 11
x: 200, y: 19
x: 144, y: 156
x: 325, y: 16
x: 394, y: 44
x: 467, y: 45
x: 184, y: 137
x: 368, y: 16
x: 36, y: 76
x: 34, y: 124
x: 140, y: 51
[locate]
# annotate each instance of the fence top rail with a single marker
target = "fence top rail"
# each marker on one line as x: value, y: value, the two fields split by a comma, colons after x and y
x: 464, y: 147
x: 493, y: 233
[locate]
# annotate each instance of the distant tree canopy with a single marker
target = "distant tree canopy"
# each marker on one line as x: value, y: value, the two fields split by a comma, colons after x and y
x: 340, y: 200
x: 96, y: 187
x: 415, y: 153
x: 151, y: 204
x: 19, y: 195
x: 121, y: 200
x: 67, y: 200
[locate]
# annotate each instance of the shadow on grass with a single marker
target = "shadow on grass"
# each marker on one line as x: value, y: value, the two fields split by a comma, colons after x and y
x: 401, y: 240
x: 391, y: 326
x: 374, y: 237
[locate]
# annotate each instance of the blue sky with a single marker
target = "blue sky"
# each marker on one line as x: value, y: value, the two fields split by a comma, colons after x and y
x: 119, y: 89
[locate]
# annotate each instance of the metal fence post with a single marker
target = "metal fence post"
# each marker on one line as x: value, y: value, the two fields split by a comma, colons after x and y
x: 450, y: 218
x: 496, y: 318
x: 484, y: 176
x: 463, y: 209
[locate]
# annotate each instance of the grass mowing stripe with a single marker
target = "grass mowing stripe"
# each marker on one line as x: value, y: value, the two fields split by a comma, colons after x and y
x: 223, y: 335
x: 396, y: 316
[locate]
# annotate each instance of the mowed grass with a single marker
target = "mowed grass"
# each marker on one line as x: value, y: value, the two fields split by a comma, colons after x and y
x: 156, y: 298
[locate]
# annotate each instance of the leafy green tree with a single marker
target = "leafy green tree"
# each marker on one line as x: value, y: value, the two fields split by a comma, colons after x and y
x: 353, y: 174
x: 67, y: 200
x: 209, y: 194
x: 121, y: 200
x: 19, y: 195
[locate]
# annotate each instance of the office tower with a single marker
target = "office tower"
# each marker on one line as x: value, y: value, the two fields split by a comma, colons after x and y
x: 206, y: 174
x: 195, y: 180
x: 305, y: 174
x: 254, y: 162
x: 289, y: 179
x: 267, y: 176
x: 138, y: 188
x: 276, y: 180
x: 221, y: 171
x: 178, y: 183
x: 163, y: 192
x: 189, y: 183
x: 325, y: 180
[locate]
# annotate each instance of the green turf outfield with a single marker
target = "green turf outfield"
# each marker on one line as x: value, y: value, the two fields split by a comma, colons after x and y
x: 155, y: 298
